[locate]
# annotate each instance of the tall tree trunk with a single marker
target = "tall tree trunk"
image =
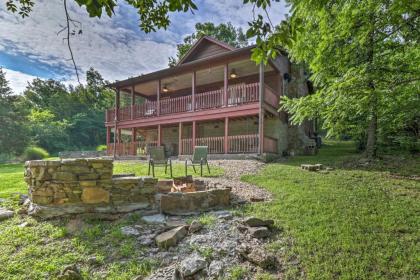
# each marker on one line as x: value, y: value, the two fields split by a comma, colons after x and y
x: 371, y: 145
x: 371, y: 134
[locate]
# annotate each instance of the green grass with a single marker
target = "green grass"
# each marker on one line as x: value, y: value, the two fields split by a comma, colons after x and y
x: 355, y: 222
x: 178, y: 170
x: 42, y: 249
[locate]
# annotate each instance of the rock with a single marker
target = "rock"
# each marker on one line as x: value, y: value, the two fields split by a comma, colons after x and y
x: 195, y: 226
x: 146, y: 240
x: 257, y: 199
x: 70, y: 272
x: 215, y: 269
x: 256, y: 222
x: 93, y: 261
x: 175, y: 223
x: 75, y: 225
x: 6, y: 214
x: 223, y: 215
x: 154, y: 219
x: 24, y: 224
x: 192, y: 265
x: 95, y: 195
x: 261, y: 258
x: 259, y: 232
x: 127, y: 230
x: 171, y: 237
x: 22, y: 199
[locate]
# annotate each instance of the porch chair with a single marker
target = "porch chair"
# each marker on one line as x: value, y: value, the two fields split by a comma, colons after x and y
x: 199, y: 157
x: 157, y: 157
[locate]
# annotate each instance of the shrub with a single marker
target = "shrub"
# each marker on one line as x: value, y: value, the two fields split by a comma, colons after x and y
x: 101, y: 148
x: 32, y: 153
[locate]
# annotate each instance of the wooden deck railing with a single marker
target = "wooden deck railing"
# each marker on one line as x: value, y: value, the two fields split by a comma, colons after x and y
x: 243, y: 143
x: 243, y: 93
x: 215, y: 144
x: 175, y: 105
x: 187, y: 147
x: 237, y: 95
x: 131, y: 148
x: 209, y: 100
x: 270, y: 145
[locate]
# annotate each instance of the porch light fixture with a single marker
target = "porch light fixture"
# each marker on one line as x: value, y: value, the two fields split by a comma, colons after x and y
x: 233, y: 74
x: 165, y: 88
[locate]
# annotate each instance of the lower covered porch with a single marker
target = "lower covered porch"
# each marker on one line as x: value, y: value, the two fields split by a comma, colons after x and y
x: 223, y: 136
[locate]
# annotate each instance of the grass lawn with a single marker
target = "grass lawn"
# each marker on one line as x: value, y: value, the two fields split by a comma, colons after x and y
x: 355, y: 222
x: 42, y: 248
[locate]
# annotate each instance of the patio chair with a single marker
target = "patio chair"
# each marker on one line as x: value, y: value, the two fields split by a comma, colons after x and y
x: 156, y: 158
x: 199, y: 157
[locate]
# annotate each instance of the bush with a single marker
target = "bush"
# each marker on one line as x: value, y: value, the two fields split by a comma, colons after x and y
x: 101, y: 148
x: 32, y: 153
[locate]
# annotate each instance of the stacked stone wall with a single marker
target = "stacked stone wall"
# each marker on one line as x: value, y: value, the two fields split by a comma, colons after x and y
x: 85, y: 185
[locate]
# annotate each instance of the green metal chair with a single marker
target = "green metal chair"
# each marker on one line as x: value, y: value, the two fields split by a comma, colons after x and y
x: 157, y: 157
x: 199, y: 158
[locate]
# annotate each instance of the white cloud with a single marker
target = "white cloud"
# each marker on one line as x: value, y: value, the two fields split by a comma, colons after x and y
x: 113, y: 46
x: 17, y: 80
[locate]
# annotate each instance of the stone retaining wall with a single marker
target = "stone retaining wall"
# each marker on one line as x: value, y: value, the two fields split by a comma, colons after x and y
x: 85, y: 185
x: 72, y: 186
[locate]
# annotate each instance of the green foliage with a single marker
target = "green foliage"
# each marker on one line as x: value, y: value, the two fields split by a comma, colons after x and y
x: 101, y: 148
x: 363, y: 58
x: 52, y: 116
x: 237, y: 272
x: 33, y: 153
x: 224, y: 32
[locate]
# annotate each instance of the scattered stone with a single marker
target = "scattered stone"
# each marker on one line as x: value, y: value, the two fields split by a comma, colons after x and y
x: 93, y: 261
x: 195, y: 226
x: 70, y: 272
x: 259, y: 232
x: 6, y: 214
x: 24, y: 224
x: 146, y: 240
x: 257, y: 199
x: 222, y: 214
x: 154, y: 219
x: 261, y: 258
x: 75, y: 225
x: 256, y: 222
x: 192, y: 265
x: 216, y: 269
x: 127, y: 230
x: 171, y: 237
x: 311, y: 167
x: 22, y: 198
x: 175, y: 223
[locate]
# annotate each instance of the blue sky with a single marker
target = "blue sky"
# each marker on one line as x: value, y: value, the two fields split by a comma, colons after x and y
x: 115, y: 46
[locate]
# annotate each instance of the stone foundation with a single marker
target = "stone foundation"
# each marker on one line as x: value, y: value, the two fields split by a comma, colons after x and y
x: 74, y: 186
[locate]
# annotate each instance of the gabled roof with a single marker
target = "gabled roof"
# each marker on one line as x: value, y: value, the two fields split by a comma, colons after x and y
x: 206, y: 46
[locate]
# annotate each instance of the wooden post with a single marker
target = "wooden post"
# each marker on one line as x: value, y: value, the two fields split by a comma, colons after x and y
x: 226, y: 135
x: 117, y: 106
x: 133, y: 141
x: 193, y: 82
x: 133, y: 100
x: 261, y: 112
x: 225, y: 86
x: 193, y: 134
x: 159, y: 140
x: 108, y: 138
x: 180, y: 139
x: 119, y: 135
x: 158, y: 98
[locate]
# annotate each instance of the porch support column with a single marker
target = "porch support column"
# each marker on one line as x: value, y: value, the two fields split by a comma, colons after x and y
x: 261, y: 112
x: 116, y: 109
x: 193, y: 84
x: 133, y: 100
x: 225, y: 86
x: 133, y: 141
x: 158, y: 97
x: 108, y: 137
x: 159, y: 140
x: 180, y: 139
x: 193, y: 134
x: 119, y: 135
x: 226, y: 135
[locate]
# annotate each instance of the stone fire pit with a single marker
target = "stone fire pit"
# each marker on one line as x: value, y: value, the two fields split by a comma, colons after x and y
x: 75, y: 186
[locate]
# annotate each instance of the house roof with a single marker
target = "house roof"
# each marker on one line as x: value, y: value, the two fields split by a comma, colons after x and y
x: 205, y: 41
x: 192, y: 61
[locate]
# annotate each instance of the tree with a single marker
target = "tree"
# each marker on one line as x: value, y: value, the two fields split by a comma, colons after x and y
x: 13, y: 137
x: 224, y: 32
x: 363, y: 58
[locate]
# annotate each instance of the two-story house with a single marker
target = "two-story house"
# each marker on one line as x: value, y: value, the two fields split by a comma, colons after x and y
x: 215, y: 96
